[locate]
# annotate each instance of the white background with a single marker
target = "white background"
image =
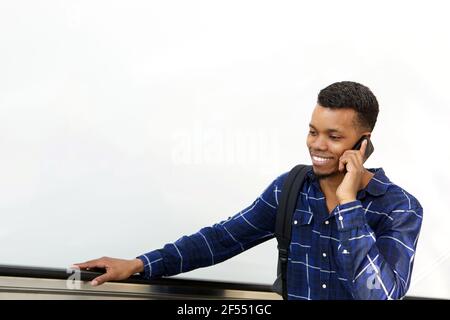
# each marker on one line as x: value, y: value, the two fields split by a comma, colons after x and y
x: 127, y: 124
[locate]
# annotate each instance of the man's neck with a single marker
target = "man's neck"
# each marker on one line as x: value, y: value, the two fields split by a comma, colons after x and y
x: 329, y: 185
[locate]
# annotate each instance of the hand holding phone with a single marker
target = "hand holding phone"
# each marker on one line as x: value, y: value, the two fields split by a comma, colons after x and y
x: 357, y: 146
x: 347, y: 190
x: 369, y: 148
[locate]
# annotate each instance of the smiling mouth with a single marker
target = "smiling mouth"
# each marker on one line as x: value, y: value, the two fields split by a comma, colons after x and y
x: 320, y: 161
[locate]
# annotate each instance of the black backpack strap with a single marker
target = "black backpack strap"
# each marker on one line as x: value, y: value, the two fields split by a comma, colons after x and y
x: 283, y: 229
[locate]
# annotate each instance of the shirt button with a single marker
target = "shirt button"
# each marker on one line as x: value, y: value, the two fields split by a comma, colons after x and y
x: 324, y: 255
x: 341, y: 218
x: 327, y: 222
x: 324, y: 286
x: 345, y: 251
x: 295, y: 221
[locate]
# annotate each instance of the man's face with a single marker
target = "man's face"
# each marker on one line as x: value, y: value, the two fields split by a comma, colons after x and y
x: 331, y: 133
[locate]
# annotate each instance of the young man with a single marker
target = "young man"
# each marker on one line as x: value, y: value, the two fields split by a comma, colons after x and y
x: 354, y: 232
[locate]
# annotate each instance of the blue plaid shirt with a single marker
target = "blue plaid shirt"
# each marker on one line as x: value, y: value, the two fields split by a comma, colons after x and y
x: 361, y: 250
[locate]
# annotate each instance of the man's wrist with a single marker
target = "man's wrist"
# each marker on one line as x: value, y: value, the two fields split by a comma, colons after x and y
x: 137, y: 265
x: 346, y: 200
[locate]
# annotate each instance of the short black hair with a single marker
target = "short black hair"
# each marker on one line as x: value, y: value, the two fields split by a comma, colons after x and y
x: 353, y: 95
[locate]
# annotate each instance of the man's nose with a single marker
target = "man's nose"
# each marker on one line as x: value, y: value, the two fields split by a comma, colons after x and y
x: 319, y: 144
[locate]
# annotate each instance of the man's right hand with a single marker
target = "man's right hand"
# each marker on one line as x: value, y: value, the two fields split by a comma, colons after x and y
x: 116, y: 269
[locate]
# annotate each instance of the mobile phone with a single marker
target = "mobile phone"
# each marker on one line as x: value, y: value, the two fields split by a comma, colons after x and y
x: 369, y: 149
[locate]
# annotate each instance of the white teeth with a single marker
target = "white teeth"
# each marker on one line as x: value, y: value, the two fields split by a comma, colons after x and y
x: 319, y: 159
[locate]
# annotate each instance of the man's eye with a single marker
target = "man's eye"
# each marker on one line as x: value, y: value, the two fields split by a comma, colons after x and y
x: 335, y: 137
x: 312, y: 133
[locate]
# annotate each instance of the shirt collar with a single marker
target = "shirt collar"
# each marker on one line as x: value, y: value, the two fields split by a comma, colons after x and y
x: 377, y: 186
x: 379, y: 183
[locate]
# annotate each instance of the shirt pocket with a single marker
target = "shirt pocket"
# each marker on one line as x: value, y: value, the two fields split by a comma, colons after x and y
x: 302, y: 229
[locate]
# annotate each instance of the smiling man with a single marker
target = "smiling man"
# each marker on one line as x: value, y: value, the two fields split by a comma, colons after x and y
x: 354, y: 232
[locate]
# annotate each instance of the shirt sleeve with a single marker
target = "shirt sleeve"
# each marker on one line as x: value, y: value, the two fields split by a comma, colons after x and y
x: 219, y: 242
x: 378, y: 264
